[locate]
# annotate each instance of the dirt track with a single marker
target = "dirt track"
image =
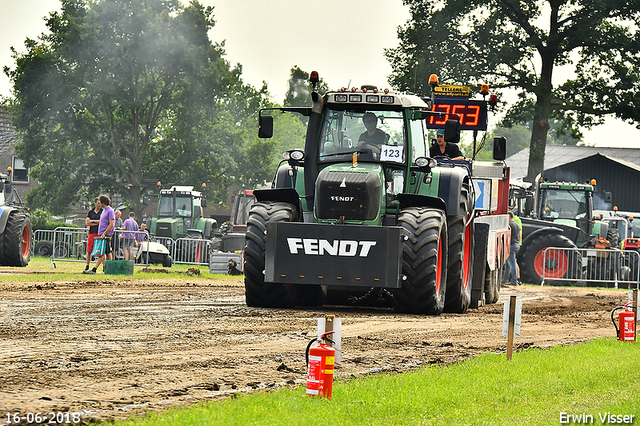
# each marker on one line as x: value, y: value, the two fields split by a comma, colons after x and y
x: 109, y: 348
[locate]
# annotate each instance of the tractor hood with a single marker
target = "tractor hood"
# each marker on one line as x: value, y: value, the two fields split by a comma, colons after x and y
x: 168, y: 227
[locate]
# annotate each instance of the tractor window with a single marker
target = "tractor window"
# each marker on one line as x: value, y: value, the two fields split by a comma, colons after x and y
x: 417, y: 139
x: 376, y: 135
x: 183, y: 206
x: 241, y: 213
x: 564, y: 204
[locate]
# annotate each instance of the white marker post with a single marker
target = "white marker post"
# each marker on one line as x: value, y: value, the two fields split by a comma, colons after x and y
x: 511, y: 319
x: 330, y: 323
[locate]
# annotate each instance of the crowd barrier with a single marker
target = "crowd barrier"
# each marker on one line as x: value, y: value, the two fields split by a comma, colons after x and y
x: 591, y: 267
x: 69, y: 244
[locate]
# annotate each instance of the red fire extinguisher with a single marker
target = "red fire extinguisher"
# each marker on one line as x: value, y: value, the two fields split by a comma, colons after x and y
x: 320, y: 362
x: 626, y: 320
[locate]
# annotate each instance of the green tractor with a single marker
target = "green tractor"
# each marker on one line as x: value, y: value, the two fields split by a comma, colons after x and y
x: 353, y: 213
x: 180, y: 215
x: 560, y: 215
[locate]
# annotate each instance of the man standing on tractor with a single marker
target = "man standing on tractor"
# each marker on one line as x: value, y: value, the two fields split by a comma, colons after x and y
x: 444, y: 149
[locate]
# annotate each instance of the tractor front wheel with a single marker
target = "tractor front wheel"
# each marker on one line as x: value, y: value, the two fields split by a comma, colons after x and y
x: 424, y: 262
x: 259, y: 293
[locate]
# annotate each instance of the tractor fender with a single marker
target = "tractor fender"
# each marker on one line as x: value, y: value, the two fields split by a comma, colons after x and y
x: 548, y: 230
x: 4, y: 217
x: 417, y: 200
x: 451, y: 181
x: 285, y: 195
x: 285, y: 176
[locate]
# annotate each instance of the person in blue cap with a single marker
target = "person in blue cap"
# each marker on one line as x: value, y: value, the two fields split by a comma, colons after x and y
x: 444, y: 149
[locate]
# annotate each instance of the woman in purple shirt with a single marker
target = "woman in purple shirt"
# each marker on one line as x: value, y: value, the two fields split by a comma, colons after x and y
x: 128, y: 237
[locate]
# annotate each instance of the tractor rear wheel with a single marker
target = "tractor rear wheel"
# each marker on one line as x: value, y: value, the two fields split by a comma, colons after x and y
x: 259, y: 293
x: 460, y: 258
x: 424, y: 262
x: 493, y: 283
x: 43, y: 248
x: 563, y: 263
x: 17, y: 240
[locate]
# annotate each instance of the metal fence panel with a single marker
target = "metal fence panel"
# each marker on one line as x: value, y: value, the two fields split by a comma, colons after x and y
x: 191, y: 250
x: 70, y: 244
x: 595, y: 267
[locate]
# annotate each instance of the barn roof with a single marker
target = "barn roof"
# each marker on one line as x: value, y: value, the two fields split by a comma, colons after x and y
x: 559, y: 155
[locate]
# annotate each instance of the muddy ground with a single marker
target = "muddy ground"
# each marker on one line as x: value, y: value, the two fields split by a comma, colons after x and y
x: 108, y: 348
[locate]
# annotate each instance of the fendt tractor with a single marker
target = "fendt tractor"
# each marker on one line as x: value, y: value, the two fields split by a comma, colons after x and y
x: 180, y: 214
x: 557, y: 215
x: 15, y: 226
x: 349, y: 215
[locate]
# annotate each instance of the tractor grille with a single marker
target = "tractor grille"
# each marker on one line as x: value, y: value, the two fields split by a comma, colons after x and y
x: 163, y: 230
x: 356, y: 196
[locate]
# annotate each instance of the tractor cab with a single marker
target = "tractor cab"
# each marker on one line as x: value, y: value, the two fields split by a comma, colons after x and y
x: 179, y: 212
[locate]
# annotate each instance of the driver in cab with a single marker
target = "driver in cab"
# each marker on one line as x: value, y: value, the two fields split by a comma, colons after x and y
x: 373, y: 135
x: 444, y: 149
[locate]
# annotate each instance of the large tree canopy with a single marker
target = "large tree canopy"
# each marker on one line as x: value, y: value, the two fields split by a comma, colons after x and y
x: 121, y: 94
x: 518, y: 44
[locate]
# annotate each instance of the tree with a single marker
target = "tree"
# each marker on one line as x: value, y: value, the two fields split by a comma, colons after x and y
x: 518, y: 44
x: 121, y: 94
x: 299, y: 92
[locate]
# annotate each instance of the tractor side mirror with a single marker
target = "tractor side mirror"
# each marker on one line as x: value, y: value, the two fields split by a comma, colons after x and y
x: 265, y: 131
x: 528, y: 205
x: 452, y: 131
x: 203, y: 202
x: 146, y: 200
x: 499, y: 148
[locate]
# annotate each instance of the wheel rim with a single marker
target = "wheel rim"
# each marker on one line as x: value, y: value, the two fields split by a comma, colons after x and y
x: 553, y: 265
x: 467, y: 256
x: 25, y: 242
x: 439, y: 268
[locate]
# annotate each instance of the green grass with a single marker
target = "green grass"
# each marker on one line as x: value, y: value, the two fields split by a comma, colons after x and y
x: 40, y: 270
x: 532, y: 389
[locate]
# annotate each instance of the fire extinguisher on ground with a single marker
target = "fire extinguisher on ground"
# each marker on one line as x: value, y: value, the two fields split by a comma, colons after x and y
x: 320, y: 362
x: 626, y: 321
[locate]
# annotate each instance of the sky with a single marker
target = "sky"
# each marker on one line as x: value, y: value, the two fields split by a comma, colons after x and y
x: 343, y: 40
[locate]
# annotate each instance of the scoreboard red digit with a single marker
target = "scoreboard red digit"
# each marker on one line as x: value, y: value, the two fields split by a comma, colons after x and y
x: 472, y: 113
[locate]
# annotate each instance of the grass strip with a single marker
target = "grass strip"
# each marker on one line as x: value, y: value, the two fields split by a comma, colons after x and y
x: 534, y: 388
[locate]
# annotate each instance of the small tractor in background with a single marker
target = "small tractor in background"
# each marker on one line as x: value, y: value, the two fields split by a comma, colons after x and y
x: 180, y: 215
x: 345, y: 216
x: 558, y: 215
x: 15, y: 226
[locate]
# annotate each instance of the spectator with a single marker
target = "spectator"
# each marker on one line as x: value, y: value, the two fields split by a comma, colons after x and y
x: 117, y: 226
x: 511, y: 270
x: 105, y: 232
x: 92, y: 222
x: 128, y: 237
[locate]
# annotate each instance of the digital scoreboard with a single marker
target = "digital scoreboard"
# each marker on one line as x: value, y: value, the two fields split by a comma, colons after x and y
x: 472, y: 113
